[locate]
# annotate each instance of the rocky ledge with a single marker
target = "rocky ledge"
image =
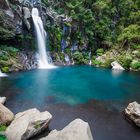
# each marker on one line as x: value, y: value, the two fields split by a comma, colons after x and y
x: 27, y: 124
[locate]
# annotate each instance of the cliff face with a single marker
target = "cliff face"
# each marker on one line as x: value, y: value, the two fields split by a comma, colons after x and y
x: 7, y: 23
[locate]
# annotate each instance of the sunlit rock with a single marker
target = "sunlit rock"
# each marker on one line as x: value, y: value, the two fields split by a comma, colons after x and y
x: 76, y: 130
x: 27, y: 124
x: 116, y: 66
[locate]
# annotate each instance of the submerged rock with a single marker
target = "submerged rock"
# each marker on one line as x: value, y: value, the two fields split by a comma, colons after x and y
x: 2, y: 100
x: 116, y: 66
x: 76, y: 130
x: 27, y: 124
x: 132, y: 112
x: 6, y: 116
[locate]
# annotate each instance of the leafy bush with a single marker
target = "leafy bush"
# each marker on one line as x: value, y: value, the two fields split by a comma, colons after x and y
x: 5, y: 69
x: 96, y: 62
x: 125, y: 60
x: 130, y: 34
x: 78, y: 58
x: 107, y: 63
x: 100, y: 51
x: 135, y: 65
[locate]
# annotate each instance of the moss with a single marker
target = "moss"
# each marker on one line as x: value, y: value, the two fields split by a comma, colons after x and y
x: 3, y: 127
x: 5, y: 69
x: 3, y: 137
x: 37, y: 125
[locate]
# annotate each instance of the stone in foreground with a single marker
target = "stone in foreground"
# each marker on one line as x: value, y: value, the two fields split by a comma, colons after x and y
x: 27, y: 124
x: 116, y: 66
x: 132, y: 112
x: 2, y: 100
x: 76, y: 130
x: 6, y: 116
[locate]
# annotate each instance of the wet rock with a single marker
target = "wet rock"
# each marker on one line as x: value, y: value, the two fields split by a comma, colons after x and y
x: 116, y: 66
x: 27, y: 124
x: 2, y: 100
x: 132, y: 112
x: 76, y: 130
x: 27, y: 15
x: 6, y: 116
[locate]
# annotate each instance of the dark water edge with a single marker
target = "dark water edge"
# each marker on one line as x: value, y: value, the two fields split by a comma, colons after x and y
x: 106, y: 122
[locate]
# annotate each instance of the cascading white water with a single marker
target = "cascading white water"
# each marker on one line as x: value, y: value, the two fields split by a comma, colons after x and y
x: 2, y: 74
x: 67, y: 59
x: 43, y: 62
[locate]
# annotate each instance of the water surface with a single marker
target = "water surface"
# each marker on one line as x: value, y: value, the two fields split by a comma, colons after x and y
x: 71, y: 85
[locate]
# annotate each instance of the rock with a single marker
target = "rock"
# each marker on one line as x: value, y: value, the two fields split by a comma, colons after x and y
x: 27, y: 15
x: 76, y: 130
x: 27, y: 124
x: 101, y: 58
x: 132, y: 112
x: 6, y: 116
x: 116, y: 66
x: 26, y: 12
x: 2, y: 100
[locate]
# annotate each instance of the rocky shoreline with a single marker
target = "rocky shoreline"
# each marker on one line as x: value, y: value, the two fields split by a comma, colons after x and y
x: 26, y: 124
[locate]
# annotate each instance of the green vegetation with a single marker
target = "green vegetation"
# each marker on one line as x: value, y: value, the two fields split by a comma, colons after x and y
x: 99, y: 27
x: 3, y: 127
x: 3, y: 137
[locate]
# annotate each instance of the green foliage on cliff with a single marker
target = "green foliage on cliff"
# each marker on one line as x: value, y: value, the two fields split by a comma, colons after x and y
x: 6, y: 27
x: 98, y: 23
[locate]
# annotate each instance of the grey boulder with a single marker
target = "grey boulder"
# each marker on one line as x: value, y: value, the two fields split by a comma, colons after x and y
x: 27, y: 124
x: 76, y: 130
x: 132, y: 112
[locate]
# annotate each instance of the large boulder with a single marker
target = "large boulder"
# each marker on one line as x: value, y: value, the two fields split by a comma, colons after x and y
x: 76, y: 130
x: 132, y: 112
x: 27, y: 124
x: 6, y: 116
x: 116, y: 66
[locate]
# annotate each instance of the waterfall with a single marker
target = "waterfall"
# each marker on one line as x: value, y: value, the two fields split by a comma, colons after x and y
x: 43, y: 60
x: 2, y: 74
x: 90, y: 62
x: 67, y: 59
